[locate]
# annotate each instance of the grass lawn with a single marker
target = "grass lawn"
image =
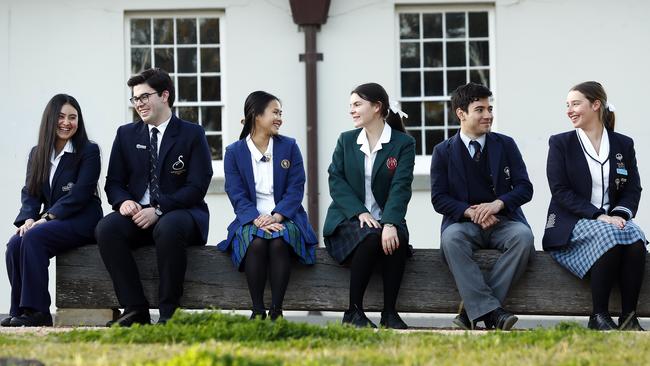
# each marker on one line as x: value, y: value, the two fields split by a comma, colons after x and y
x: 213, y: 338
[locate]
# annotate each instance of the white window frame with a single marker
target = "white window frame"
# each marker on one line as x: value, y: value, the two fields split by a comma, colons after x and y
x: 217, y: 165
x: 423, y: 162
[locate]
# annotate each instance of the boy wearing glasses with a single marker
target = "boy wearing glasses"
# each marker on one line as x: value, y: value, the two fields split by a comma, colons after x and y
x: 158, y: 174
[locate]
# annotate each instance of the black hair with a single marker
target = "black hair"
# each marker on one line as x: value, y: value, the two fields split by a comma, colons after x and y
x: 593, y: 91
x: 156, y: 78
x: 255, y: 104
x: 466, y: 94
x: 40, y: 169
x: 375, y: 93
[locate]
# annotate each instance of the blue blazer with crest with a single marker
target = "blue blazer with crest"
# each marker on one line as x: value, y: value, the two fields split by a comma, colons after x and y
x: 449, y: 186
x: 288, y: 186
x: 73, y: 193
x: 184, y: 168
x: 570, y: 182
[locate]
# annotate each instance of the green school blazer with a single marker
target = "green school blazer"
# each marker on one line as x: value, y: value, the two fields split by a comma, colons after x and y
x: 392, y: 175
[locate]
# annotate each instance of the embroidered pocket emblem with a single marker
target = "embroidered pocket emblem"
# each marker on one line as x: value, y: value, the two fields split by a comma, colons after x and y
x: 391, y: 163
x: 178, y: 167
x: 507, y: 171
x: 285, y: 163
x: 67, y: 187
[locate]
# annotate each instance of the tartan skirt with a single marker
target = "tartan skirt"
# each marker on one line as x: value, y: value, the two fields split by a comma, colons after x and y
x: 590, y: 239
x: 291, y: 234
x: 348, y: 235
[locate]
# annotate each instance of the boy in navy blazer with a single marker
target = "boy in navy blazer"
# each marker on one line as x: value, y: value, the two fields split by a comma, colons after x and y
x: 158, y: 174
x: 478, y: 183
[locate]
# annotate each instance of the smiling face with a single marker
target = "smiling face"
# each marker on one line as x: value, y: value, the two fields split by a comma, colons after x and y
x: 363, y: 112
x: 582, y: 113
x: 477, y: 121
x: 67, y: 124
x: 156, y: 110
x: 270, y: 121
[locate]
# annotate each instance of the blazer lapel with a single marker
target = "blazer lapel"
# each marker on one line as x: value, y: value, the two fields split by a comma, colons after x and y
x: 279, y: 154
x: 168, y: 140
x: 360, y: 159
x: 494, y: 155
x: 614, y: 149
x: 65, y: 160
x: 246, y: 164
x: 457, y: 166
x: 382, y: 155
x: 142, y: 154
x: 580, y: 166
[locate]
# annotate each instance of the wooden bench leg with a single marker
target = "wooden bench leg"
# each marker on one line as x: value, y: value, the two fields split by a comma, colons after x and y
x: 84, y: 317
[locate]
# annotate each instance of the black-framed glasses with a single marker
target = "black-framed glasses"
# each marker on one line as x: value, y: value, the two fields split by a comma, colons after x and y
x: 144, y: 98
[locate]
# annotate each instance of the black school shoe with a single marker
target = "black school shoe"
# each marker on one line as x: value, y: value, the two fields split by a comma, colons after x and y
x: 258, y: 314
x: 357, y: 318
x: 501, y: 319
x: 131, y: 317
x: 629, y: 322
x: 32, y: 319
x: 5, y: 321
x: 275, y: 314
x: 601, y: 321
x: 392, y: 320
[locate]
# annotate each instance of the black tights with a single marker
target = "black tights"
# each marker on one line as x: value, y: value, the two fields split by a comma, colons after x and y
x: 275, y: 255
x: 364, y: 258
x: 624, y: 263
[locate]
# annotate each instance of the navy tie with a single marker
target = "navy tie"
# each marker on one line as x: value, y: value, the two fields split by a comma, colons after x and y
x: 154, y: 184
x: 477, y: 150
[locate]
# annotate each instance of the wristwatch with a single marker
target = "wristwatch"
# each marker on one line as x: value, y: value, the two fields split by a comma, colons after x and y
x: 47, y: 216
x: 388, y: 224
x: 158, y: 211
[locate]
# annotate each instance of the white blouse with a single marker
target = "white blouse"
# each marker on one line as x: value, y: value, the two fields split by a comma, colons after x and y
x: 369, y: 160
x: 598, y: 168
x: 263, y: 174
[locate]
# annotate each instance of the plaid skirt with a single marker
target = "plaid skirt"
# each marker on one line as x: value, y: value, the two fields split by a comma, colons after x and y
x: 348, y: 235
x: 291, y: 234
x: 590, y: 239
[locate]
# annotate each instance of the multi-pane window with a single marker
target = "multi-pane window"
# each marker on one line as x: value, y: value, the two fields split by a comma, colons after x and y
x: 189, y: 49
x: 439, y: 51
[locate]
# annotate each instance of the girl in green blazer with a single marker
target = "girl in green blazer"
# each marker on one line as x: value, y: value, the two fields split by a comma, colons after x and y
x: 370, y: 183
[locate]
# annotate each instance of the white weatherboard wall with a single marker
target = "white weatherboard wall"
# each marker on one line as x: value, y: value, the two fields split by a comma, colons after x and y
x: 542, y: 48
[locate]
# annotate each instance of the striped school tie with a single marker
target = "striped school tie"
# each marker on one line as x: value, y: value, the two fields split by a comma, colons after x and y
x: 154, y: 184
x: 477, y: 150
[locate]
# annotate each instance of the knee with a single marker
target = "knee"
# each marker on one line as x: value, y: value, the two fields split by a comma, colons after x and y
x: 452, y: 238
x: 523, y: 241
x: 108, y: 227
x: 13, y: 246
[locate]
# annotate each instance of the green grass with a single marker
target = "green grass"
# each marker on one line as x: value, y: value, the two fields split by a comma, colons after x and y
x: 219, y: 339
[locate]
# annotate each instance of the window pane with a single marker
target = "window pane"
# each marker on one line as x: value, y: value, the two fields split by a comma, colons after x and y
x: 190, y: 114
x: 140, y: 59
x: 478, y: 24
x: 433, y: 83
x: 210, y: 60
x: 480, y: 77
x: 210, y: 88
x: 211, y: 118
x: 164, y: 58
x: 186, y: 31
x: 479, y: 53
x: 409, y: 26
x: 432, y: 54
x: 455, y: 25
x: 434, y: 113
x: 187, y: 89
x: 416, y: 133
x: 140, y: 31
x: 456, y: 54
x: 411, y: 84
x: 410, y: 54
x: 432, y: 25
x: 163, y: 31
x: 209, y: 30
x: 452, y: 120
x: 433, y: 138
x: 415, y: 115
x: 186, y: 60
x: 214, y: 141
x: 455, y: 79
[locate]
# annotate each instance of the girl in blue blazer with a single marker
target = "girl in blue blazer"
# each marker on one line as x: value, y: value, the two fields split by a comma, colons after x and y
x: 595, y: 189
x: 370, y: 183
x: 265, y: 182
x: 60, y: 208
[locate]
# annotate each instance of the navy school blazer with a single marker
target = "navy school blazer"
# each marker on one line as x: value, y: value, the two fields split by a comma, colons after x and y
x: 570, y: 182
x: 449, y: 186
x: 73, y: 193
x: 184, y: 169
x: 288, y: 186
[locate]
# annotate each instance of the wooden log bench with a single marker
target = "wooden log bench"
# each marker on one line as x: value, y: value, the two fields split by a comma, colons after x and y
x: 211, y: 281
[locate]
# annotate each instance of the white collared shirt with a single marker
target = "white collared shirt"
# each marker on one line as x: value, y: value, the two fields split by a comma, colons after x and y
x: 263, y: 174
x: 466, y: 140
x: 146, y: 198
x: 369, y: 161
x: 55, y: 160
x: 598, y: 164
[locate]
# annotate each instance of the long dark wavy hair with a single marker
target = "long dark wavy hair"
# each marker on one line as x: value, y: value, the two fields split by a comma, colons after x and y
x: 375, y: 93
x: 40, y: 169
x: 255, y: 104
